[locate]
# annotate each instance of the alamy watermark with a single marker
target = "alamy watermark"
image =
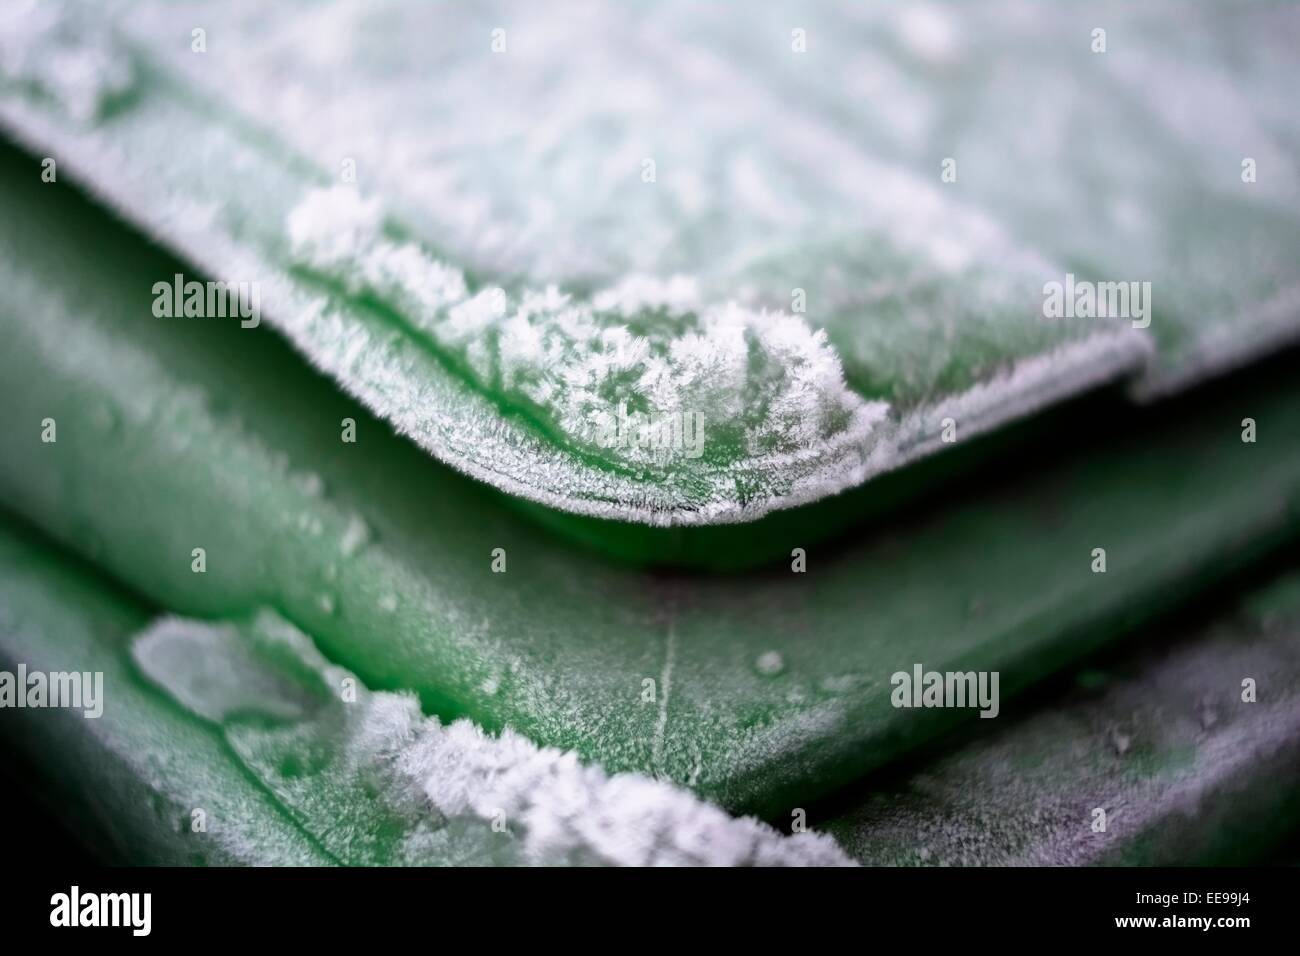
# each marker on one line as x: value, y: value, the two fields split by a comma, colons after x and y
x: 193, y: 299
x: 1082, y: 299
x: 75, y: 908
x: 78, y: 690
x: 922, y: 688
x: 680, y: 432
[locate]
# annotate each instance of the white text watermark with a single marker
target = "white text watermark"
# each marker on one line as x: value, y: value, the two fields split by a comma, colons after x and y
x: 78, y: 690
x: 75, y: 908
x: 193, y: 299
x: 681, y: 432
x: 922, y: 688
x: 1082, y: 299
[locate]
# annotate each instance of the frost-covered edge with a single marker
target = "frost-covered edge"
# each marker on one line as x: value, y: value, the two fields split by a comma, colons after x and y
x: 1025, y: 387
x: 559, y: 808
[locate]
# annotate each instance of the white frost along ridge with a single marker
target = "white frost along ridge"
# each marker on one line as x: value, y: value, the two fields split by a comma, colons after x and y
x: 763, y: 383
x: 559, y: 809
x: 840, y: 443
x: 566, y: 809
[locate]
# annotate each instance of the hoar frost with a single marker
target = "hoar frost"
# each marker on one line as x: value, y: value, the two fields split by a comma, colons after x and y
x: 72, y: 61
x: 264, y: 681
x: 642, y: 371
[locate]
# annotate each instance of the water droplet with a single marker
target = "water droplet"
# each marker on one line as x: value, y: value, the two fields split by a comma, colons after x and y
x: 326, y: 603
x: 355, y: 536
x: 388, y: 603
x: 311, y: 483
x: 770, y: 663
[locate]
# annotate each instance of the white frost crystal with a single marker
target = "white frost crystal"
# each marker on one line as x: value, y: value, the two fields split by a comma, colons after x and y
x: 72, y: 62
x: 760, y: 382
x: 560, y: 810
x: 522, y: 304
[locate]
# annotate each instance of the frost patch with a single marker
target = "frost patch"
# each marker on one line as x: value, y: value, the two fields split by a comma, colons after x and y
x: 764, y: 383
x: 352, y: 766
x: 71, y: 60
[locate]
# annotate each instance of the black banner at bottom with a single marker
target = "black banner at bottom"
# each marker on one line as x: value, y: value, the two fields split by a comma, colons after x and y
x: 333, y: 906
